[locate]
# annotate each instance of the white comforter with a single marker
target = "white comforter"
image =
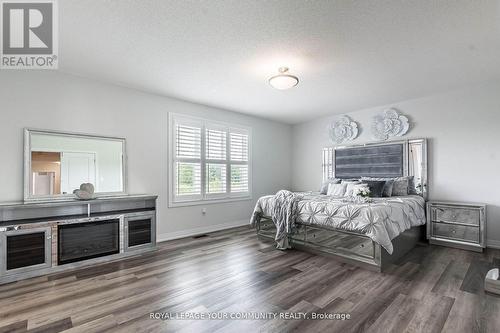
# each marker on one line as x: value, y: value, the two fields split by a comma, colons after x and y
x: 382, y: 219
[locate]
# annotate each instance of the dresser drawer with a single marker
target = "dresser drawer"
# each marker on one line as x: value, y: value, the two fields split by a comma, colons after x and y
x: 451, y: 214
x: 339, y: 242
x: 458, y: 232
x: 267, y: 228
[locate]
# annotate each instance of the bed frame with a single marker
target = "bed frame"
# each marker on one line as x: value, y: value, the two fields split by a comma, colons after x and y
x: 388, y: 159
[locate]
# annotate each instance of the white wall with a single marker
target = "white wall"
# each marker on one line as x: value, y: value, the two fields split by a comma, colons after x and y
x: 464, y: 146
x: 52, y: 100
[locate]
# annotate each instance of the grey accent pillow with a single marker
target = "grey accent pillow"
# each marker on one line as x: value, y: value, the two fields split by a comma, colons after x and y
x: 401, y: 185
x: 388, y: 186
x: 376, y: 187
x: 324, y: 186
x: 387, y: 190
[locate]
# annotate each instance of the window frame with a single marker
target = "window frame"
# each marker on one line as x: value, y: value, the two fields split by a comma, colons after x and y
x: 206, y: 198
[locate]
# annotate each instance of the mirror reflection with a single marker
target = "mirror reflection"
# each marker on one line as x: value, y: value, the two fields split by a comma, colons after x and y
x: 60, y: 163
x: 416, y: 155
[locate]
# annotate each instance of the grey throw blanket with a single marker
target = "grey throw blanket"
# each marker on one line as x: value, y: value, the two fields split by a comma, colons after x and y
x: 284, y: 213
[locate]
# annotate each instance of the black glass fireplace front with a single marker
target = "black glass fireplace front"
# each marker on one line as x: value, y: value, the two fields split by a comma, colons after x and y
x: 83, y: 241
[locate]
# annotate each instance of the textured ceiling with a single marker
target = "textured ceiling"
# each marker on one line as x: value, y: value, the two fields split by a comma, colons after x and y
x: 347, y: 54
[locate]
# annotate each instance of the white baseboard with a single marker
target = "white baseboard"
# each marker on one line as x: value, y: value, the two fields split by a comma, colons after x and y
x: 201, y: 230
x: 494, y: 244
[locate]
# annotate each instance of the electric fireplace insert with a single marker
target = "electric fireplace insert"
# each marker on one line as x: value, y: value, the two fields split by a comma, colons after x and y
x: 83, y: 241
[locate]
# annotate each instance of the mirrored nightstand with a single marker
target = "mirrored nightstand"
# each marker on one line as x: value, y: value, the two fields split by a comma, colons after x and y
x: 457, y: 224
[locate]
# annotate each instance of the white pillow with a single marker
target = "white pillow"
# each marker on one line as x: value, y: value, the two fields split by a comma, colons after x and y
x: 350, y: 187
x: 336, y: 190
x: 357, y: 187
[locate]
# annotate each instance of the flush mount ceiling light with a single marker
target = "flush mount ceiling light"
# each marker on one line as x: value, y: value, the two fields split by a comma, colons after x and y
x: 283, y: 80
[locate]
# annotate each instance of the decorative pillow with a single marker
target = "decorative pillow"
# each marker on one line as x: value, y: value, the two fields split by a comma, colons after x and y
x: 376, y: 187
x: 410, y: 189
x: 358, y: 187
x: 350, y: 187
x: 401, y: 185
x: 336, y: 190
x: 387, y: 190
x: 324, y: 186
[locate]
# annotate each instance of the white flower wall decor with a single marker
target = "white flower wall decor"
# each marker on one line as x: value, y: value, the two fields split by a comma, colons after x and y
x: 343, y: 129
x: 389, y: 123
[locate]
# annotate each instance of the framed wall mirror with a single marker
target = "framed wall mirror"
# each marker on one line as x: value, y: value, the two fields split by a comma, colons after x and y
x: 56, y: 163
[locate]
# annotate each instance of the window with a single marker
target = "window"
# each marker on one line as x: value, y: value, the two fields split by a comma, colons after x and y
x: 210, y: 161
x: 328, y: 155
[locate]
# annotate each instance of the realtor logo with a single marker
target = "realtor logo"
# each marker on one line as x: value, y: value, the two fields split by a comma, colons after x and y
x: 29, y: 34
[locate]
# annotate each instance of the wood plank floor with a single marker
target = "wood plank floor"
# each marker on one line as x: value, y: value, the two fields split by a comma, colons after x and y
x: 432, y: 289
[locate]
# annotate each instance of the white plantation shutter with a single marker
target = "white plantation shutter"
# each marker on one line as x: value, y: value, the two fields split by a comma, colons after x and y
x: 239, y: 147
x: 216, y: 160
x: 210, y: 160
x: 239, y: 178
x: 216, y: 178
x: 188, y: 160
x: 215, y: 144
x: 239, y: 161
x: 188, y: 141
x: 188, y: 178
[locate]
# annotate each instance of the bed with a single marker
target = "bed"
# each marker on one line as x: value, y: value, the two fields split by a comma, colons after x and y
x: 370, y: 234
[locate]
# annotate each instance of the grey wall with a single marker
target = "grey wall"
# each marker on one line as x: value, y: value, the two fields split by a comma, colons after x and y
x: 464, y: 153
x: 51, y: 100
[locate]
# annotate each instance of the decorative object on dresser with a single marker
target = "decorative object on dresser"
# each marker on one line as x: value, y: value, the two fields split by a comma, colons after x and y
x: 85, y: 192
x: 40, y: 238
x: 343, y: 129
x: 461, y: 225
x: 388, y: 124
